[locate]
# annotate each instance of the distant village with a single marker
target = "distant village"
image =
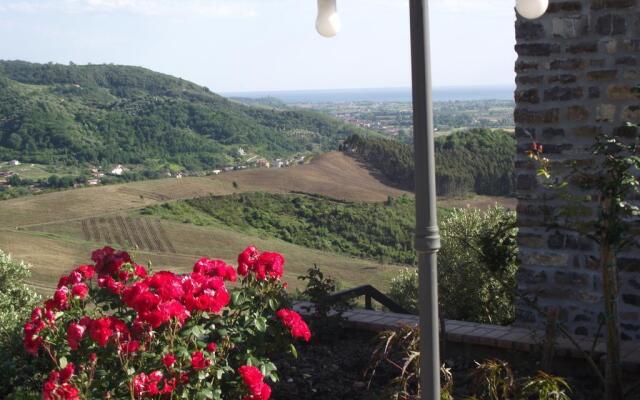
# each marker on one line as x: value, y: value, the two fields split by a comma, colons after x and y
x: 11, y: 171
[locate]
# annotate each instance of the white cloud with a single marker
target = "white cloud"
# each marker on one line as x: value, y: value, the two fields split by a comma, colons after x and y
x: 177, y: 8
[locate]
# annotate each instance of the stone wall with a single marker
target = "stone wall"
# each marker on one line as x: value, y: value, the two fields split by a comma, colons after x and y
x: 575, y: 70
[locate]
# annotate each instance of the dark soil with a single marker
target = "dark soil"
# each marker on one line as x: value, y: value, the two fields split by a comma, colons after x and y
x: 336, y: 369
x: 328, y: 370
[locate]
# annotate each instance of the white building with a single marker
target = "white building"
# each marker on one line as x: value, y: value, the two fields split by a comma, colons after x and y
x: 119, y: 170
x: 14, y: 163
x: 217, y: 171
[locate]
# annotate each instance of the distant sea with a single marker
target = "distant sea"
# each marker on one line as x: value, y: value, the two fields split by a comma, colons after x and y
x: 382, y: 94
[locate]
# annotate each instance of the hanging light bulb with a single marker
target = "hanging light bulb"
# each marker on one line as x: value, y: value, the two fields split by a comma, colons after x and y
x: 532, y: 9
x: 328, y: 22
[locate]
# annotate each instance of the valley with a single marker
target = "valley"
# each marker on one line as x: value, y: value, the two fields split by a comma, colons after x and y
x: 58, y: 230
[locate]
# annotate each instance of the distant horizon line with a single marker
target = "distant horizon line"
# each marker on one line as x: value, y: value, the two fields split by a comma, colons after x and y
x: 373, y: 88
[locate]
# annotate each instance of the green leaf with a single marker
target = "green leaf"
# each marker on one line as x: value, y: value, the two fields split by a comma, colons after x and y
x: 62, y: 362
x: 252, y: 361
x: 294, y: 351
x: 235, y: 298
x: 261, y: 324
x: 204, y: 394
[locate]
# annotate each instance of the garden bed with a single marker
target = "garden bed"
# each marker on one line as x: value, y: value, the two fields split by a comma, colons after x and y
x: 336, y: 369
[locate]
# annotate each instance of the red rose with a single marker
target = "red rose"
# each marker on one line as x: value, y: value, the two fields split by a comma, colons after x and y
x: 254, y: 380
x: 212, y: 347
x: 198, y: 361
x: 108, y: 282
x: 129, y: 347
x: 271, y: 264
x: 57, y: 386
x: 167, y: 285
x: 108, y: 261
x: 100, y: 331
x: 74, y: 278
x: 219, y: 268
x: 247, y: 259
x: 60, y: 301
x: 87, y: 271
x: 80, y: 291
x: 139, y: 271
x: 168, y: 360
x: 294, y: 322
x: 75, y: 332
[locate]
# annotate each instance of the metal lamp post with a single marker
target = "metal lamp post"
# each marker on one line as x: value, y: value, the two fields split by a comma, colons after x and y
x: 427, y: 236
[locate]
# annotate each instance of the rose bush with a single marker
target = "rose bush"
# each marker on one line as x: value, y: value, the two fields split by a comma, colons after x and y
x: 113, y: 329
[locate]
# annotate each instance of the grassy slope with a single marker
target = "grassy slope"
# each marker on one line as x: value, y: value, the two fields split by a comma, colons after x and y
x: 329, y: 175
x: 46, y: 230
x: 364, y: 230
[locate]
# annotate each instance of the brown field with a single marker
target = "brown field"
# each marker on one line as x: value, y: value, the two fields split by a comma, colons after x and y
x: 56, y: 248
x: 56, y: 231
x: 332, y: 174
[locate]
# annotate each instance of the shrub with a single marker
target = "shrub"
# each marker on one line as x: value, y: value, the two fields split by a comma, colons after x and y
x: 115, y: 330
x: 15, y: 295
x: 399, y: 349
x: 327, y: 321
x: 476, y: 267
x: 404, y: 289
x: 16, y: 301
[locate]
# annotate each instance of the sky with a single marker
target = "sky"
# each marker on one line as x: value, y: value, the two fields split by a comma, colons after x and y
x: 265, y: 45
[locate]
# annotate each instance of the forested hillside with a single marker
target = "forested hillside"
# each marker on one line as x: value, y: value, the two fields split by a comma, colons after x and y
x: 366, y: 230
x: 478, y: 160
x: 52, y: 113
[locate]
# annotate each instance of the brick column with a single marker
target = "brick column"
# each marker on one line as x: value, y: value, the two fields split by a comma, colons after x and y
x: 575, y: 70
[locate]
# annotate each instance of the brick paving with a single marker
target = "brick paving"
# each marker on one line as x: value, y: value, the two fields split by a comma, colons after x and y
x: 503, y: 337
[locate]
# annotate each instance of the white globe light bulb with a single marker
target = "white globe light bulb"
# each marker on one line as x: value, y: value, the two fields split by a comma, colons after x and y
x: 328, y: 22
x: 532, y: 9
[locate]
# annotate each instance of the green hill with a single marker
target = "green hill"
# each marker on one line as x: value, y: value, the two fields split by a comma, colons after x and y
x: 70, y: 114
x: 379, y: 231
x: 479, y: 161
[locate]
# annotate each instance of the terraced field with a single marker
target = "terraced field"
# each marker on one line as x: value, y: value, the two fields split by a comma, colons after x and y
x: 58, y: 230
x: 127, y: 232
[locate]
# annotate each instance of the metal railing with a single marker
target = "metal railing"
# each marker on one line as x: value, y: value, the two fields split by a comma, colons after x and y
x: 370, y: 293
